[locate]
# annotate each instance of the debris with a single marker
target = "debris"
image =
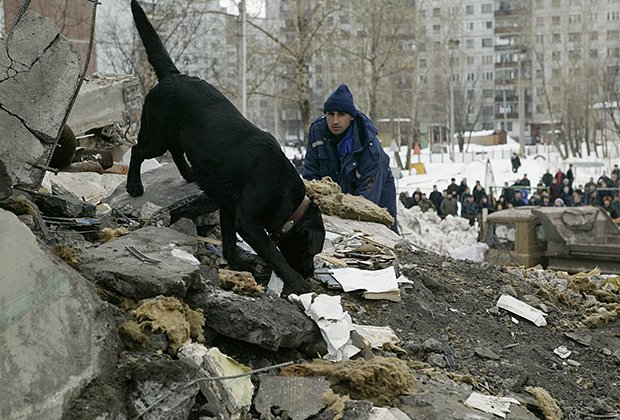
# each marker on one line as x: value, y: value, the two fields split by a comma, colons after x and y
x: 172, y: 317
x: 381, y: 380
x: 562, y: 351
x: 573, y: 362
x: 547, y: 403
x: 522, y: 309
x: 139, y: 255
x: 385, y: 413
x: 334, y: 323
x: 583, y: 339
x: 67, y: 254
x: 486, y: 353
x: 109, y: 234
x: 275, y: 285
x: 379, y: 284
x: 299, y: 397
x: 327, y: 194
x: 377, y: 337
x: 499, y: 406
x: 602, y: 317
x: 240, y: 282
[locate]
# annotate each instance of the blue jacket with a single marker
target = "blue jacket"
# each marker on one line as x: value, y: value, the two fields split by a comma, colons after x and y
x: 365, y: 171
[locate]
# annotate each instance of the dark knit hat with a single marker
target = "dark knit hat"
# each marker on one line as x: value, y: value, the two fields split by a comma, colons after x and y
x: 341, y: 100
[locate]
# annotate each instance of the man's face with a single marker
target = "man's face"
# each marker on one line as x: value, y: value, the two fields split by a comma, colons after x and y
x: 338, y: 122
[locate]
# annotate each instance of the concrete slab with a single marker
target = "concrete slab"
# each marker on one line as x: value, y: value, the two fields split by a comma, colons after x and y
x: 267, y: 321
x: 165, y: 188
x: 299, y: 397
x: 116, y: 268
x: 56, y: 335
x: 42, y: 71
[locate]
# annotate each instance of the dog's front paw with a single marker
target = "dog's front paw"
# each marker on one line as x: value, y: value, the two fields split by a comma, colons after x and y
x: 135, y: 189
x: 299, y: 286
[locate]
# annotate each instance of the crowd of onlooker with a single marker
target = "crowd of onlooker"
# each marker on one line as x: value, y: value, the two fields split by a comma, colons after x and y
x: 552, y: 190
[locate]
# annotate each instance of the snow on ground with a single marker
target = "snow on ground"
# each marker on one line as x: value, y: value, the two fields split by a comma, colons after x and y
x: 454, y: 236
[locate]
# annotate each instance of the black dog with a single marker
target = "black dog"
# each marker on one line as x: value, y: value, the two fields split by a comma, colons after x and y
x: 235, y: 163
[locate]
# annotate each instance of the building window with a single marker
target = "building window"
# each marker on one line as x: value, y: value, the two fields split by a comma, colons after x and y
x: 487, y: 59
x: 469, y: 26
x: 487, y: 25
x: 575, y: 2
x: 540, y: 91
x: 555, y: 73
x: 555, y: 3
x: 540, y: 38
x: 615, y: 34
x: 487, y: 93
x: 593, y: 53
x: 436, y: 11
x: 574, y: 19
x: 556, y: 38
x: 469, y: 9
x: 539, y: 108
x: 556, y: 20
x: 574, y: 37
x: 593, y: 36
x: 540, y: 21
x: 487, y: 42
x: 487, y: 75
x: 436, y: 28
x: 469, y: 43
x: 470, y: 60
x: 574, y: 54
x: 613, y: 52
x: 423, y: 63
x: 471, y: 77
x: 556, y: 55
x: 539, y: 73
x: 486, y: 8
x: 613, y: 15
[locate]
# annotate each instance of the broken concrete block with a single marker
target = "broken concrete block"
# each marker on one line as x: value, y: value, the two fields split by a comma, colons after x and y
x: 63, y: 206
x: 266, y: 321
x: 300, y: 398
x: 165, y: 267
x: 56, y: 334
x: 164, y: 187
x: 41, y: 70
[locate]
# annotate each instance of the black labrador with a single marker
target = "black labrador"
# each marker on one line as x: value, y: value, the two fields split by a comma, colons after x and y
x: 241, y: 167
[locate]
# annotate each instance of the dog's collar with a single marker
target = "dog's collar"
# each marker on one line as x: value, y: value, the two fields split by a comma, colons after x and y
x: 295, y: 218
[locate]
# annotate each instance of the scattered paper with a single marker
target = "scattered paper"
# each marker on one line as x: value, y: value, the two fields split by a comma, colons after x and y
x: 334, y: 323
x: 562, y: 351
x: 385, y: 413
x: 379, y: 284
x: 522, y: 309
x: 184, y: 255
x: 377, y: 336
x: 275, y: 285
x: 499, y: 406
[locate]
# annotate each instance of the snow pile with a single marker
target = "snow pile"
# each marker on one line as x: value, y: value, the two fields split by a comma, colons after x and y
x: 430, y: 232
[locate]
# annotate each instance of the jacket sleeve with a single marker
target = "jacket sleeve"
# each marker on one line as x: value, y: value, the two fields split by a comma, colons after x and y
x: 311, y: 159
x: 372, y: 170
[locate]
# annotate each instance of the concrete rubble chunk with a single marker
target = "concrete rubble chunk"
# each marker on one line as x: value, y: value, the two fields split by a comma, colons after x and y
x: 300, y: 398
x: 5, y: 182
x: 268, y: 322
x: 56, y: 334
x: 163, y: 187
x: 172, y: 272
x: 42, y: 69
x: 58, y: 206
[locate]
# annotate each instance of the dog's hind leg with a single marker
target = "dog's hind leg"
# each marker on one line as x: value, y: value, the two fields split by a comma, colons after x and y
x: 179, y: 159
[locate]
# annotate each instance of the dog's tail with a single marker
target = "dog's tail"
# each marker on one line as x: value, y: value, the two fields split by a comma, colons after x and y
x: 155, y: 51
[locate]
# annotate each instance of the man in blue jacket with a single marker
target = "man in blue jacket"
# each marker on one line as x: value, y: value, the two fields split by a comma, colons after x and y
x: 343, y: 145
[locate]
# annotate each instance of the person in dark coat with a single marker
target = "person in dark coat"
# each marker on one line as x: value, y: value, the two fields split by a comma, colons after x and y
x: 570, y: 176
x: 478, y: 192
x: 343, y: 145
x: 448, y: 206
x: 546, y: 178
x: 485, y: 203
x: 469, y: 209
x: 462, y: 188
x: 453, y: 188
x: 436, y: 197
x: 559, y: 176
x: 517, y: 201
x: 515, y: 162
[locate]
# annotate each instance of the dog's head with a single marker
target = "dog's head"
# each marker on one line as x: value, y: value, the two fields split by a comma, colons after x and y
x: 304, y: 241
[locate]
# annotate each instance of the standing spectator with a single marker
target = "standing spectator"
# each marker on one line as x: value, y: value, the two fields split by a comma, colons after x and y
x: 501, y: 203
x: 590, y: 183
x: 436, y: 197
x: 616, y: 171
x: 406, y: 199
x: 558, y: 203
x: 507, y: 192
x: 546, y: 201
x: 517, y: 201
x: 535, y: 200
x: 603, y: 178
x: 464, y: 195
x: 524, y: 181
x: 604, y: 191
x: 448, y: 206
x: 566, y: 195
x: 577, y: 199
x: 469, y: 209
x: 425, y: 204
x: 461, y: 189
x: 570, y: 176
x: 565, y: 183
x: 546, y: 178
x: 343, y: 145
x: 613, y: 182
x: 485, y: 203
x: 453, y: 188
x: 554, y: 189
x: 478, y: 192
x: 559, y: 176
x: 515, y: 162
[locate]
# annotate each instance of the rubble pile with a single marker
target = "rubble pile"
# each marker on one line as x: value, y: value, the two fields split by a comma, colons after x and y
x: 134, y: 313
x: 432, y: 233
